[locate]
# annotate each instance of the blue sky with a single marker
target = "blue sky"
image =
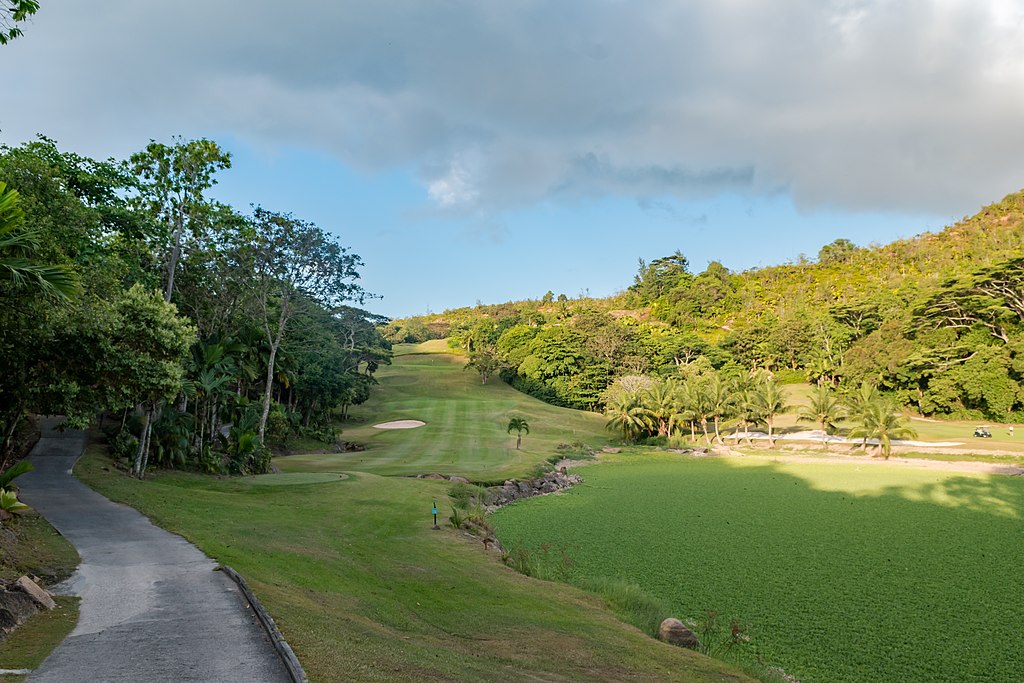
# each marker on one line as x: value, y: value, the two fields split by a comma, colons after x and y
x: 488, y: 152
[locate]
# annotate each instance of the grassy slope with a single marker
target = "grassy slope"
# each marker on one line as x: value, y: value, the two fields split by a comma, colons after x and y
x: 841, y: 573
x: 38, y: 550
x: 34, y: 640
x: 365, y: 590
x: 466, y: 425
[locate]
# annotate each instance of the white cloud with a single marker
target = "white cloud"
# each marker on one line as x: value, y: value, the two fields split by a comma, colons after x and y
x: 856, y: 104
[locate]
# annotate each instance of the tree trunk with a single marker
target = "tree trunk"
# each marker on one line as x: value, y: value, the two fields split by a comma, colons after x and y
x: 824, y: 437
x: 519, y: 440
x: 266, y: 392
x: 275, y: 342
x: 172, y: 264
x: 139, y: 467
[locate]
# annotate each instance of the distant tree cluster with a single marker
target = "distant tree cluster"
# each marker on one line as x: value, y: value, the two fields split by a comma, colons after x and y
x: 203, y: 333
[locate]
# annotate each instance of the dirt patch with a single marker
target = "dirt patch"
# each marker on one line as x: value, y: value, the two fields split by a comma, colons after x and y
x: 400, y: 424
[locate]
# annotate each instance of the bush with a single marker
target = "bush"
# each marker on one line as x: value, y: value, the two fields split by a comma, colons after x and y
x: 124, y: 446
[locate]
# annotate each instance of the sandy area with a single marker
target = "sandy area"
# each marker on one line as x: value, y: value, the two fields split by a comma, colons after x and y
x: 400, y: 424
x: 914, y: 463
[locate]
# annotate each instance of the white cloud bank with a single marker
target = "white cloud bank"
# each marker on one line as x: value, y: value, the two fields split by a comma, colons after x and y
x: 913, y: 105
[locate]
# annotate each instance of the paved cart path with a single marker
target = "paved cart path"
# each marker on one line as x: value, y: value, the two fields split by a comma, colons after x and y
x: 152, y: 607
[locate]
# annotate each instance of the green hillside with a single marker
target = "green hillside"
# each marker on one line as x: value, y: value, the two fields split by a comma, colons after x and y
x: 935, y: 321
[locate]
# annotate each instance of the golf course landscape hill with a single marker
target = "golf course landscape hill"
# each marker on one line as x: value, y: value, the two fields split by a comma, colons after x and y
x: 357, y: 580
x: 834, y: 572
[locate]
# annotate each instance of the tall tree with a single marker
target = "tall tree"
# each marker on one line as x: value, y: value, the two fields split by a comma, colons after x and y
x: 174, y: 178
x: 290, y: 258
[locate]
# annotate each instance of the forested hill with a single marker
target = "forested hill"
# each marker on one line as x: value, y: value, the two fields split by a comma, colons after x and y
x: 937, y: 320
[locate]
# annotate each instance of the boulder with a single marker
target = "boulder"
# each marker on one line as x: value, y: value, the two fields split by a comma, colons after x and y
x: 609, y: 449
x: 434, y: 475
x: 38, y: 595
x: 15, y: 608
x: 674, y: 632
x: 458, y: 480
x: 548, y: 487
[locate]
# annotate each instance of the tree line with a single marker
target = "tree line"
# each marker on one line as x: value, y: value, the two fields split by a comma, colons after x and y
x: 700, y: 402
x: 199, y: 334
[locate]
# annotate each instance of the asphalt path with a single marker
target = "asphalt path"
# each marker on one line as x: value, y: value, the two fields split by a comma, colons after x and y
x: 153, y: 608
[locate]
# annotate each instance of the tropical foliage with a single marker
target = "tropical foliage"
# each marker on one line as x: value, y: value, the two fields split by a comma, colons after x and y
x: 205, y: 335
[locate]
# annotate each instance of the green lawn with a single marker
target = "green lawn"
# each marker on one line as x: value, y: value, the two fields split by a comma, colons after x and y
x: 840, y: 572
x: 465, y: 431
x: 361, y: 586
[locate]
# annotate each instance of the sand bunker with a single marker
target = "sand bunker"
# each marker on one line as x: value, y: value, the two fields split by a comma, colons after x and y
x: 400, y: 424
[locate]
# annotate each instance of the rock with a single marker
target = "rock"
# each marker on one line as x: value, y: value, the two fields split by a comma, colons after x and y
x: 458, y: 480
x: 548, y: 487
x: 30, y: 588
x: 525, y: 489
x: 674, y: 632
x: 15, y: 608
x: 434, y: 475
x: 609, y: 449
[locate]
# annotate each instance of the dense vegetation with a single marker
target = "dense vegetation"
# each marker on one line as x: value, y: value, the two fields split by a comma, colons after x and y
x: 205, y: 333
x: 936, y: 322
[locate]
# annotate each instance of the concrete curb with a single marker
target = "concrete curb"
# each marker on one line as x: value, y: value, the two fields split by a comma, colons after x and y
x: 291, y: 662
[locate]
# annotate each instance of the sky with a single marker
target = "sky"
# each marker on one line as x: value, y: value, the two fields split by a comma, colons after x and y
x: 476, y: 151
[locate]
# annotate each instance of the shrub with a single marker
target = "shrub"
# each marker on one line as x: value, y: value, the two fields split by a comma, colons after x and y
x: 124, y: 446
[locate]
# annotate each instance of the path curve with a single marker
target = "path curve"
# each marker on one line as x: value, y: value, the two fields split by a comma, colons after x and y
x: 152, y: 607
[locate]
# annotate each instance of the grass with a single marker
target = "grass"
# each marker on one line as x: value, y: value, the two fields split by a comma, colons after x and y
x: 34, y: 640
x: 465, y: 431
x: 30, y: 546
x: 839, y: 572
x: 362, y: 587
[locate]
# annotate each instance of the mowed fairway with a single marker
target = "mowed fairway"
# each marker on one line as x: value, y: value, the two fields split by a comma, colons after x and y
x: 840, y: 572
x: 466, y: 421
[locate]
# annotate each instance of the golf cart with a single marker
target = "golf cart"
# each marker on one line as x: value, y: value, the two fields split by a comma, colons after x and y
x: 982, y: 432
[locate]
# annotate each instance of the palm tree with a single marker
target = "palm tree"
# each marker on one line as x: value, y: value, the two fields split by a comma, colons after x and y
x: 743, y: 402
x: 628, y: 416
x: 16, y: 241
x: 824, y: 409
x: 662, y: 401
x: 859, y: 403
x: 520, y: 425
x: 769, y: 403
x: 720, y: 400
x: 881, y: 420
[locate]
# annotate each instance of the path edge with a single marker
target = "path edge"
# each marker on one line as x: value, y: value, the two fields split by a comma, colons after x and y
x: 284, y: 650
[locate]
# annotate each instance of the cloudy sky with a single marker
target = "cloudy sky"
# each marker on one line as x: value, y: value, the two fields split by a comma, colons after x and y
x: 491, y: 151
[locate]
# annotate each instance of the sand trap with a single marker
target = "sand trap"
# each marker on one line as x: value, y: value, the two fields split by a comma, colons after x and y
x: 400, y: 424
